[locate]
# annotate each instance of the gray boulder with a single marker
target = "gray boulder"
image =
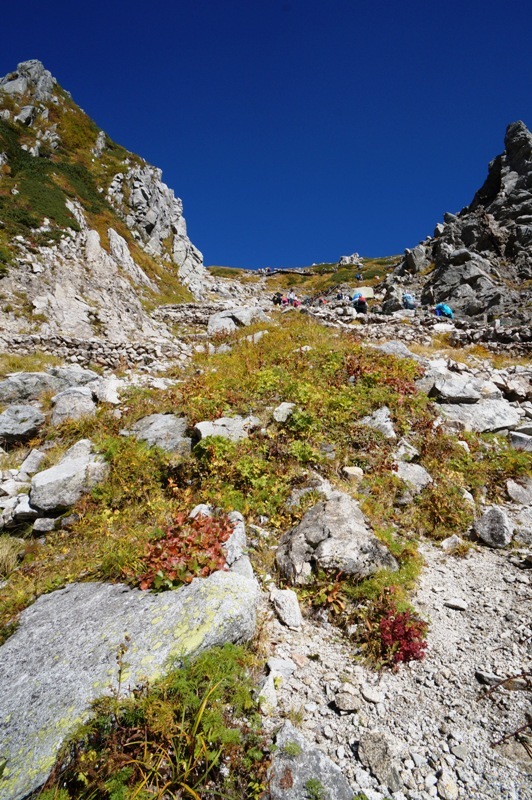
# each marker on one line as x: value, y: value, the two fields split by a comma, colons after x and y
x: 165, y: 431
x: 494, y: 527
x: 233, y: 428
x: 297, y: 766
x: 30, y: 385
x: 233, y: 318
x: 521, y: 441
x: 520, y: 492
x: 380, y: 752
x: 19, y: 423
x: 63, y: 656
x: 332, y: 535
x: 484, y: 416
x: 72, y: 403
x: 54, y: 490
x: 381, y: 421
x: 414, y: 475
x: 454, y: 388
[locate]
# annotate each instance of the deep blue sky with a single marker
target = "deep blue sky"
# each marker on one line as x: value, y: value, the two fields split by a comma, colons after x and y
x: 294, y: 130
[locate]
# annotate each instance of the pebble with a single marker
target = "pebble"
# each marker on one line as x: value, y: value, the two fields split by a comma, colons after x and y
x: 456, y: 603
x: 371, y: 694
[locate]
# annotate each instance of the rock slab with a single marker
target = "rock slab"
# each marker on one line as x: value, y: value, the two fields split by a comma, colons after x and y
x: 63, y: 656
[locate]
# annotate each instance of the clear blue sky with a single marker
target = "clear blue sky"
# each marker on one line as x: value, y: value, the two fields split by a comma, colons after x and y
x: 294, y: 130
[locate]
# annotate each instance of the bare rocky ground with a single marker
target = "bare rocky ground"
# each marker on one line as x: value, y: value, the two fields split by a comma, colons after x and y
x: 438, y: 726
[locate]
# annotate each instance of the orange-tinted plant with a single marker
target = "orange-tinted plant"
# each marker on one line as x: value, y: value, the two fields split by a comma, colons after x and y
x: 189, y: 548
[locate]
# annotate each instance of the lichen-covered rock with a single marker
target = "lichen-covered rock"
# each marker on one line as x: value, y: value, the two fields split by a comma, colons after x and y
x: 298, y: 767
x: 63, y: 656
x: 380, y: 752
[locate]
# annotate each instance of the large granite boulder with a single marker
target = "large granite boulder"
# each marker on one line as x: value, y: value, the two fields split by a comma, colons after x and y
x: 333, y: 535
x: 298, y: 767
x: 19, y: 423
x: 165, y: 431
x: 63, y: 656
x: 483, y: 416
x: 56, y: 489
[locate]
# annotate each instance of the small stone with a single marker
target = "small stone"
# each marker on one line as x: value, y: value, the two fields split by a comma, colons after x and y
x: 286, y: 605
x: 345, y: 701
x: 353, y: 474
x: 460, y: 751
x: 447, y: 788
x: 371, y: 694
x: 456, y: 603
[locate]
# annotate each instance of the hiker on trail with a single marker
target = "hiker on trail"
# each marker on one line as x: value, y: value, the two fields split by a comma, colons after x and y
x: 443, y: 310
x: 409, y: 301
x: 284, y: 300
x: 361, y: 305
x: 291, y: 297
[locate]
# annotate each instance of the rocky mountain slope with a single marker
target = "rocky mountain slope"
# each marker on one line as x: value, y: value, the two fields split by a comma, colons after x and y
x: 334, y: 508
x: 90, y: 237
x: 480, y: 260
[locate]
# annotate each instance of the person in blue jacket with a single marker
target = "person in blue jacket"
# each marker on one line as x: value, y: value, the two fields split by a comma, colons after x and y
x: 443, y: 310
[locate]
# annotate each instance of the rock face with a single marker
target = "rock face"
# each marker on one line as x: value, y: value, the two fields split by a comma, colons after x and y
x: 64, y: 654
x: 78, y: 268
x: 333, y: 535
x: 482, y: 254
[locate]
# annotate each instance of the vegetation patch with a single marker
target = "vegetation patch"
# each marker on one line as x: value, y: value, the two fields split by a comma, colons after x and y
x: 188, y: 548
x: 194, y: 734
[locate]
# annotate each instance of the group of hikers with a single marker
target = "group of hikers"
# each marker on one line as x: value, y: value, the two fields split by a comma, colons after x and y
x: 359, y: 302
x: 440, y: 309
x: 290, y: 299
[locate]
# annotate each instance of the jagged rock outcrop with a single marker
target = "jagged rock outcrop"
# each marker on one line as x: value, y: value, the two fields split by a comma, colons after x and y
x: 479, y: 258
x: 84, y: 248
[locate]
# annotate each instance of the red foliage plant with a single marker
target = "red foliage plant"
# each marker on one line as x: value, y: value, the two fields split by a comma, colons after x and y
x: 403, y: 636
x: 391, y: 637
x: 189, y: 548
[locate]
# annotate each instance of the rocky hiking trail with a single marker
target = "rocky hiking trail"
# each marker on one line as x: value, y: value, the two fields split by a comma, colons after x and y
x: 428, y: 729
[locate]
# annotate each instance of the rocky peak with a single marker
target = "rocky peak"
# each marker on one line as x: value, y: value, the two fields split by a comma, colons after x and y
x: 30, y: 78
x: 480, y: 258
x: 64, y: 184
